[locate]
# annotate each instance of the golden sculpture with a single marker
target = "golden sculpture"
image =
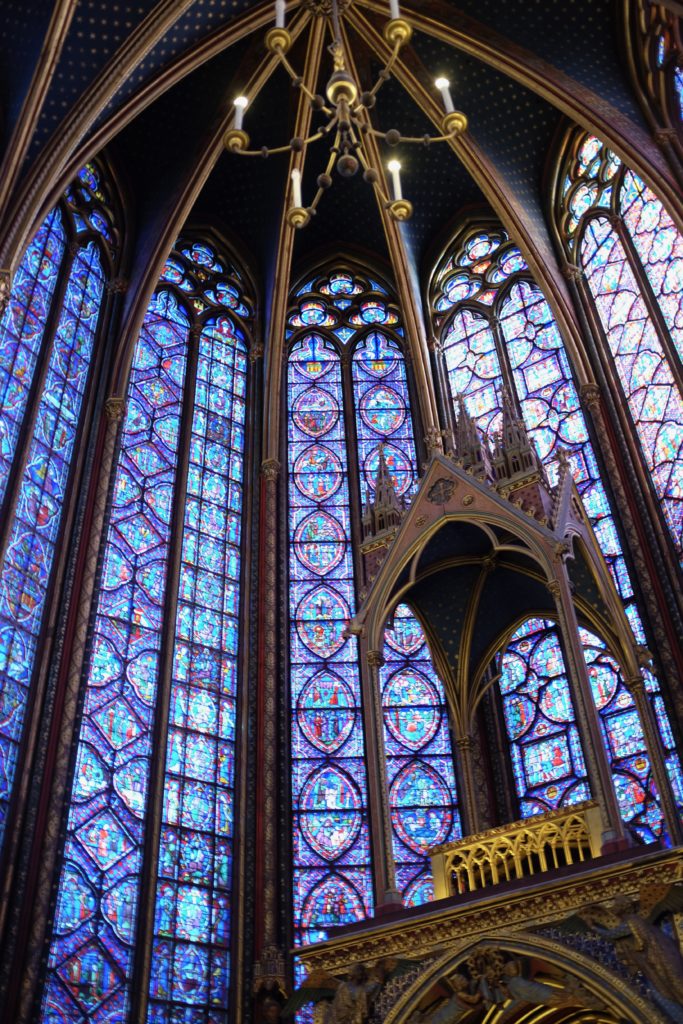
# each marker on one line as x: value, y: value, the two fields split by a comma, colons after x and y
x: 631, y: 925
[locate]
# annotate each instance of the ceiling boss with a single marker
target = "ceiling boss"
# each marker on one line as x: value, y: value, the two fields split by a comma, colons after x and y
x: 346, y: 107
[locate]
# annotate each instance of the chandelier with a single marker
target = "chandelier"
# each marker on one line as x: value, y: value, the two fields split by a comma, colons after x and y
x: 346, y: 108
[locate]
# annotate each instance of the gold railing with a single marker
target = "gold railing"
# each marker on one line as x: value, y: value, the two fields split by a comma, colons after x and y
x: 529, y: 847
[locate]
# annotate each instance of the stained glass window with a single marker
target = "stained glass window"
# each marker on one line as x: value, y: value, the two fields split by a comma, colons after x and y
x: 52, y: 399
x: 334, y: 315
x: 420, y: 769
x: 515, y: 343
x: 93, y: 943
x: 619, y: 232
x: 547, y: 758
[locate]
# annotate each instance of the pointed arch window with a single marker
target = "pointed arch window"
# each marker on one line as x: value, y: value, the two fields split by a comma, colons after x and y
x: 617, y: 231
x: 655, y: 50
x: 497, y: 331
x: 161, y: 687
x: 47, y: 341
x: 348, y: 394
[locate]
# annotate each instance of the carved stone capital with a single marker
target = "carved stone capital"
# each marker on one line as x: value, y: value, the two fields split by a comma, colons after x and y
x: 5, y: 289
x: 114, y: 408
x: 554, y: 588
x: 464, y: 742
x: 270, y: 469
x: 434, y: 345
x: 375, y: 659
x: 195, y: 331
x: 590, y: 395
x: 572, y: 272
x: 117, y: 286
x: 663, y: 137
x: 635, y: 685
x: 255, y: 352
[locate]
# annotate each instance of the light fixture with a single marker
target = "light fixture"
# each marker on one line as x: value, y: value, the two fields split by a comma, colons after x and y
x: 346, y: 108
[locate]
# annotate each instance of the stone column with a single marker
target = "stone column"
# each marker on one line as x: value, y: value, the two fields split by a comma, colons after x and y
x: 388, y: 894
x: 270, y: 969
x: 467, y: 790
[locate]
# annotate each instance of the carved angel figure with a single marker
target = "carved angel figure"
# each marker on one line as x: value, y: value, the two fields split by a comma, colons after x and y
x: 456, y: 1009
x: 346, y: 1001
x: 630, y: 924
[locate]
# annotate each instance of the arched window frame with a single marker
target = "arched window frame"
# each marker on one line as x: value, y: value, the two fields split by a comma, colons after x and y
x: 199, y: 312
x: 653, y: 43
x: 91, y: 213
x: 373, y: 290
x: 571, y: 232
x: 446, y: 306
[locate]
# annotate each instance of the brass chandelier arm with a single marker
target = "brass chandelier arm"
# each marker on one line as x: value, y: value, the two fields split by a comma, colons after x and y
x: 367, y: 166
x: 267, y: 151
x: 330, y: 166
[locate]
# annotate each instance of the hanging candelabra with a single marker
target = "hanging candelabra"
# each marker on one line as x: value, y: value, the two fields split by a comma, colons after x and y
x: 346, y: 108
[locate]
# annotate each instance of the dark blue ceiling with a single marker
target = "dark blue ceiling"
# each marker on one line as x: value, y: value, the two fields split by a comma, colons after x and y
x: 159, y: 150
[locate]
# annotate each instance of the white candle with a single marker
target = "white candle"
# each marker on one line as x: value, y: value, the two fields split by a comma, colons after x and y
x: 296, y: 187
x: 395, y: 11
x: 279, y: 13
x: 395, y: 170
x: 240, y: 106
x: 443, y: 85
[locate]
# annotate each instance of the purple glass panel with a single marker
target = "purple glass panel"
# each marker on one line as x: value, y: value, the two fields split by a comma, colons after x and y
x: 332, y: 872
x: 90, y: 957
x: 34, y: 535
x: 420, y: 770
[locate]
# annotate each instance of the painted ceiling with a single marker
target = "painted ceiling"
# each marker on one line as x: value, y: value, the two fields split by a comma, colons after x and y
x: 150, y: 84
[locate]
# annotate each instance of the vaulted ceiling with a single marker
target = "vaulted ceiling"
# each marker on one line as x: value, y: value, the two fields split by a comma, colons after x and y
x: 150, y: 83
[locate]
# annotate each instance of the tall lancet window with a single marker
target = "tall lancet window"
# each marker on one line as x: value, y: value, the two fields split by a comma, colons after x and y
x: 615, y: 229
x: 498, y: 334
x: 162, y: 684
x: 47, y: 339
x: 347, y: 398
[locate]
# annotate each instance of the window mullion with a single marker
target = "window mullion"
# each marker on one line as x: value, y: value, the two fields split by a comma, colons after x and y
x: 150, y: 862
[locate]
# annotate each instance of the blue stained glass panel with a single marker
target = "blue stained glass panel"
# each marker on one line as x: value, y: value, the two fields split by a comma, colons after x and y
x: 623, y: 735
x: 660, y: 248
x: 332, y: 873
x: 473, y: 368
x: 33, y: 538
x: 21, y: 331
x: 551, y: 409
x: 191, y: 954
x: 419, y: 756
x: 382, y: 413
x: 88, y: 977
x: 652, y: 394
x: 547, y: 758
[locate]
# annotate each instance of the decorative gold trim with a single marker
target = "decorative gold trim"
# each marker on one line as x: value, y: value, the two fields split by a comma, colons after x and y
x: 278, y: 40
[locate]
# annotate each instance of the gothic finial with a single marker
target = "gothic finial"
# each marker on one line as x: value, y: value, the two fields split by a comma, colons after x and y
x: 471, y: 449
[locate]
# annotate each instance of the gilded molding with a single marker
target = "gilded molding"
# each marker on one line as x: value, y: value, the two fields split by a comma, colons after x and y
x: 535, y: 906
